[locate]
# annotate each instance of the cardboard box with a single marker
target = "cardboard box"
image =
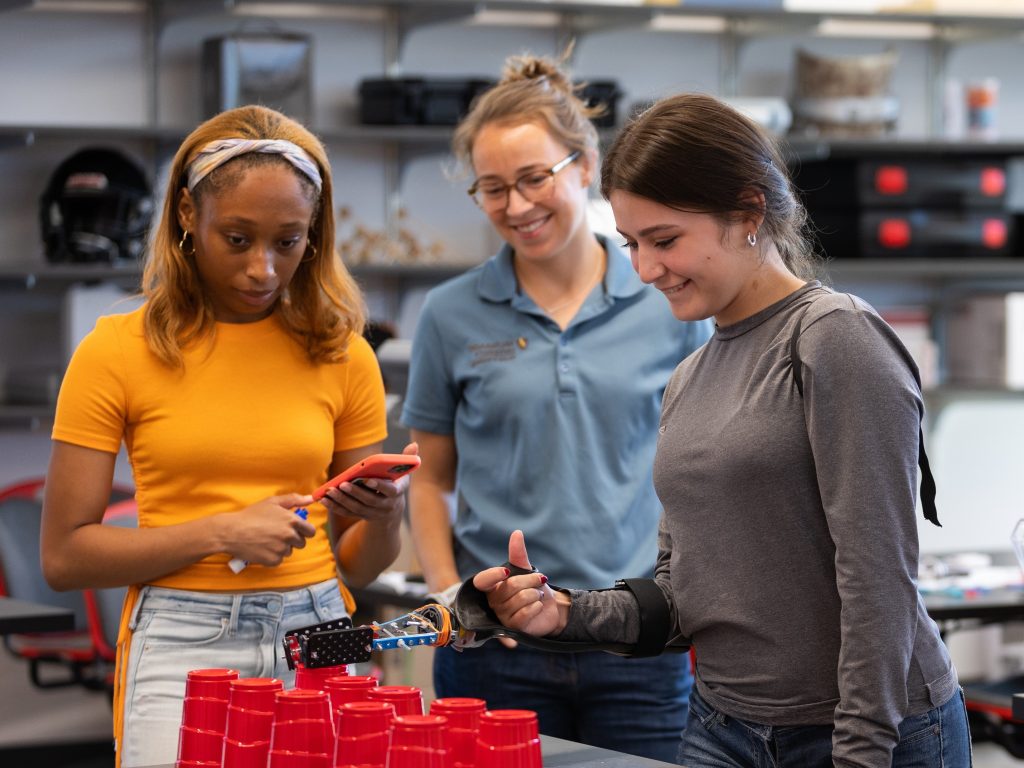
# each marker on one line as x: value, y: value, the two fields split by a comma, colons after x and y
x: 985, y: 341
x: 913, y: 326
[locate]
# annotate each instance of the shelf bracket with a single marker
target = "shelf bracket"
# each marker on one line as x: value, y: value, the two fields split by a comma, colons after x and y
x: 938, y: 70
x: 729, y: 59
x: 399, y: 23
x: 151, y: 54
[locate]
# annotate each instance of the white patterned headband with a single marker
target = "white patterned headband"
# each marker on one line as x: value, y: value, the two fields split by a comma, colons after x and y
x: 216, y: 153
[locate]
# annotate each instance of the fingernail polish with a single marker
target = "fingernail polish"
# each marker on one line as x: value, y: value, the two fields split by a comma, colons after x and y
x: 543, y: 579
x: 507, y: 572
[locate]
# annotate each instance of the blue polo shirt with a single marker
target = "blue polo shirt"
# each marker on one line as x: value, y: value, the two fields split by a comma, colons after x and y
x: 555, y: 430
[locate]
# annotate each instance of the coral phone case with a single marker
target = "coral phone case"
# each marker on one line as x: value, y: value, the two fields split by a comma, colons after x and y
x: 389, y: 466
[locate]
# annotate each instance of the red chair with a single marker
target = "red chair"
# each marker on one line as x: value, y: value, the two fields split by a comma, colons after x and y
x: 103, y: 606
x: 991, y: 715
x: 76, y: 656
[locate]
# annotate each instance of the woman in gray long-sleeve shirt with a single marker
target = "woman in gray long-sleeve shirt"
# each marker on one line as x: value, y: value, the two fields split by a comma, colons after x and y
x: 788, y: 545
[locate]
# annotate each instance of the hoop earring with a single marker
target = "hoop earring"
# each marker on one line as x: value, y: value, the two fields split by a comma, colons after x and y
x: 309, y: 256
x: 751, y: 239
x: 181, y: 245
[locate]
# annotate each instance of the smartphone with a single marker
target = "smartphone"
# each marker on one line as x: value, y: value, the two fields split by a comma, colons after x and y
x: 389, y: 466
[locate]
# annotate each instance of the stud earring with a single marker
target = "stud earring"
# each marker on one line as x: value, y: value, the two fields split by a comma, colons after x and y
x: 181, y: 245
x: 751, y: 239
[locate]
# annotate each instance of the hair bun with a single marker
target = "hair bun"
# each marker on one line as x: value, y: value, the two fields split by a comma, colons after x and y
x: 530, y: 67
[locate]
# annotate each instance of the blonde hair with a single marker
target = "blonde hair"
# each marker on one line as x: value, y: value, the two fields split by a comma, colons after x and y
x: 322, y: 307
x: 532, y: 88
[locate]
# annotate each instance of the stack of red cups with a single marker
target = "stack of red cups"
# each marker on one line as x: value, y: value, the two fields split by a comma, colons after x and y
x: 417, y: 741
x: 203, y: 715
x: 508, y: 738
x: 463, y: 723
x: 348, y: 688
x: 250, y: 721
x: 303, y: 734
x: 364, y: 733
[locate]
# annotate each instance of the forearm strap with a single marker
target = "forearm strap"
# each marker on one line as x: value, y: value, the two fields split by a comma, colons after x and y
x: 655, y: 616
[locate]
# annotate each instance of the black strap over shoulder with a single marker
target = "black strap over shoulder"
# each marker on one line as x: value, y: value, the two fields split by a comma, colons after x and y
x: 928, y: 489
x: 794, y: 353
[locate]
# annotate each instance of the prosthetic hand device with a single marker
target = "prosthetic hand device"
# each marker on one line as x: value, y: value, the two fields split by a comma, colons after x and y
x: 469, y: 623
x: 339, y: 642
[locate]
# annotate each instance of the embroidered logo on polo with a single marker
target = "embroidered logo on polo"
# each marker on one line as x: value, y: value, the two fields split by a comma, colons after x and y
x: 496, y: 351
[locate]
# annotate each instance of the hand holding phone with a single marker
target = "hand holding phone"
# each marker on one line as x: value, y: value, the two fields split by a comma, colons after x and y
x: 387, y: 466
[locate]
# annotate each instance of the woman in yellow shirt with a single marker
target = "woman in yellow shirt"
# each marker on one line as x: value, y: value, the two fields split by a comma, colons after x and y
x: 241, y: 385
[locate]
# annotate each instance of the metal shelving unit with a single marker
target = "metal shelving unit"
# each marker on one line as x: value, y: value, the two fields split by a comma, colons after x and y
x: 60, y: 276
x: 37, y: 284
x: 736, y: 23
x: 29, y: 417
x: 936, y: 271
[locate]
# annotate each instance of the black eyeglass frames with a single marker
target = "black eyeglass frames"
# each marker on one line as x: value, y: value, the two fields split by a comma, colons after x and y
x: 492, y: 194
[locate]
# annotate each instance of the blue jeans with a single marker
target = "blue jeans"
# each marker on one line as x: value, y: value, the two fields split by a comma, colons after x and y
x: 176, y: 631
x: 636, y: 706
x: 938, y: 738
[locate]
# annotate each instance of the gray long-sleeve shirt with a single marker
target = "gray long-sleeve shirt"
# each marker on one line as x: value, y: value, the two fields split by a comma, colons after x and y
x: 788, y: 546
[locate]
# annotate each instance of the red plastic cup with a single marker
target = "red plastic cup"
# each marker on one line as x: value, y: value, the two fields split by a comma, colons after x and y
x: 508, y: 738
x: 250, y: 712
x: 302, y: 723
x: 348, y: 688
x: 302, y: 704
x: 418, y: 741
x: 306, y: 735
x: 312, y: 678
x: 463, y: 722
x: 248, y: 726
x: 245, y: 755
x: 209, y: 683
x: 408, y: 699
x: 364, y: 731
x: 204, y: 713
x: 254, y: 693
x: 461, y: 712
x: 197, y: 745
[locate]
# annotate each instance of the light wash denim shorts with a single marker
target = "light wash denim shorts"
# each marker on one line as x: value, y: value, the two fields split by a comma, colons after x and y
x: 176, y: 631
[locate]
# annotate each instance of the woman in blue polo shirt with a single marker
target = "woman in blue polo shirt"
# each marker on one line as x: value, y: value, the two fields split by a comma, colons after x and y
x: 534, y: 392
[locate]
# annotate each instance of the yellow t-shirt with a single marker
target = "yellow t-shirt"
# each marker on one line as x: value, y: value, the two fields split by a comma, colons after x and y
x: 246, y: 418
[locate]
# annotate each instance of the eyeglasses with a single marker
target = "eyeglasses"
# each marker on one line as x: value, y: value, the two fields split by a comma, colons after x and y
x: 492, y: 194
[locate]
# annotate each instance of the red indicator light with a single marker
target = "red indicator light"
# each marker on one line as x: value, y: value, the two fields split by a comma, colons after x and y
x: 891, y: 180
x: 993, y: 233
x: 992, y: 182
x: 894, y: 233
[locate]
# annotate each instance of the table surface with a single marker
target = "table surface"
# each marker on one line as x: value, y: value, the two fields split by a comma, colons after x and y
x: 981, y: 605
x: 18, y: 616
x: 559, y: 753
